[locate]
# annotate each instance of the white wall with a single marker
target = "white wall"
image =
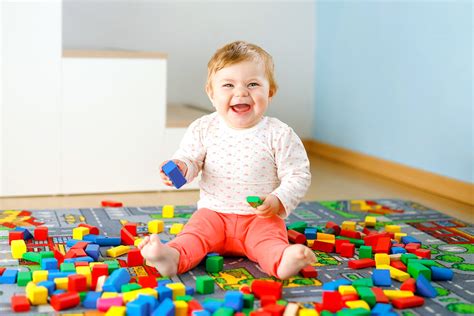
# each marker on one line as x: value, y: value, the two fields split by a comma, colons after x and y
x: 190, y: 32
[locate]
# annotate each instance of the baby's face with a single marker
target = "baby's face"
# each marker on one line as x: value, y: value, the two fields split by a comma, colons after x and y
x: 241, y: 93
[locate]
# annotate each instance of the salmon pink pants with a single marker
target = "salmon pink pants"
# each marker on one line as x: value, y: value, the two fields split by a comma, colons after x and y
x: 262, y: 240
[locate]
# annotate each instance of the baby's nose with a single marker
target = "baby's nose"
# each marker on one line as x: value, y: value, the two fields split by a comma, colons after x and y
x: 241, y: 91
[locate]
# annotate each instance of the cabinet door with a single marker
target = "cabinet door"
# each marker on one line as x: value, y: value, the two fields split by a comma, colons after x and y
x: 112, y: 124
x: 30, y: 98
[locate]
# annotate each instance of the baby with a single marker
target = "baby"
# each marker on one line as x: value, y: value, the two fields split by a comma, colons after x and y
x: 240, y: 153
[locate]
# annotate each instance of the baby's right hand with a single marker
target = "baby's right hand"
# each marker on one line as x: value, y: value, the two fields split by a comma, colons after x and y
x: 181, y: 166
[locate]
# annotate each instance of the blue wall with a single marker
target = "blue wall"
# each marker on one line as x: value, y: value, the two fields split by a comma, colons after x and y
x: 394, y: 80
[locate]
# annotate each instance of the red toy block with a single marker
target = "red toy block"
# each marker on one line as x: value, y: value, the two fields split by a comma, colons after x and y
x: 380, y: 296
x: 369, y: 231
x: 58, y: 255
x: 399, y: 265
x: 260, y: 313
x: 334, y: 226
x: 349, y: 297
x: 111, y: 204
x: 97, y: 271
x: 309, y: 272
x: 77, y: 283
x: 41, y: 233
x: 20, y: 303
x: 80, y: 245
x: 147, y: 281
x: 323, y: 246
x: 423, y: 253
x: 267, y: 300
x: 264, y: 287
x: 126, y: 237
x: 81, y: 264
x: 274, y: 309
x: 2, y: 269
x: 347, y: 250
x: 75, y: 253
x: 134, y: 258
x: 332, y: 301
x: 361, y: 263
x: 350, y: 234
x: 131, y: 227
x: 194, y: 305
x: 409, y: 285
x: 399, y: 245
x: 245, y: 289
x: 371, y: 240
x: 408, y: 302
x: 92, y: 229
x: 296, y: 237
x: 412, y: 247
x: 383, y: 245
x: 65, y: 300
x: 339, y: 243
x: 15, y: 235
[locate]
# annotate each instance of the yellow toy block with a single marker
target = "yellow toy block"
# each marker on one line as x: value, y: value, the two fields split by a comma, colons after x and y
x: 176, y: 228
x: 370, y: 221
x: 156, y: 226
x: 393, y: 229
x: 79, y: 232
x: 37, y: 295
x: 330, y: 238
x: 358, y: 304
x: 167, y: 211
x: 61, y: 283
x: 309, y: 242
x: 116, y: 311
x: 109, y: 294
x: 177, y: 288
x: 18, y: 248
x: 395, y: 273
x: 348, y: 225
x: 86, y: 271
x: 132, y: 295
x: 347, y: 289
x: 398, y: 236
x: 381, y: 259
x: 40, y: 275
x: 392, y: 294
x: 181, y: 308
x: 307, y: 312
x: 118, y: 251
x: 137, y: 242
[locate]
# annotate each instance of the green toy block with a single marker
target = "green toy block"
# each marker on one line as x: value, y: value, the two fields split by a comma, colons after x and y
x: 204, y: 284
x: 425, y: 262
x: 357, y: 242
x: 249, y: 300
x: 67, y: 267
x: 23, y: 278
x: 112, y: 265
x: 223, y: 311
x: 82, y: 296
x: 214, y: 264
x: 185, y: 298
x: 130, y: 287
x: 407, y: 256
x: 365, y: 252
x: 32, y: 256
x: 366, y: 294
x: 353, y: 312
x: 415, y: 269
x: 254, y: 201
x: 298, y: 226
x: 367, y: 282
x: 282, y: 302
x: 46, y: 254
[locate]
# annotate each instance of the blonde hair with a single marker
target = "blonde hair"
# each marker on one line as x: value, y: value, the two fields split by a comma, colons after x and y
x: 237, y: 52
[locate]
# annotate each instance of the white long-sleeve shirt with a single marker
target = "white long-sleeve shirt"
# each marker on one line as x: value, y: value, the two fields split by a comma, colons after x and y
x: 268, y: 158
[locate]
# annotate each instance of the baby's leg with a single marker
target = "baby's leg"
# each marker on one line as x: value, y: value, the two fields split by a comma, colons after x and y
x: 294, y: 258
x: 164, y: 258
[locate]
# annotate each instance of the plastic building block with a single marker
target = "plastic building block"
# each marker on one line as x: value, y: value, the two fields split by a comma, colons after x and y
x: 40, y: 275
x: 9, y: 276
x: 424, y: 287
x: 77, y: 283
x: 167, y: 211
x: 350, y: 233
x: 138, y: 307
x: 156, y: 226
x: 93, y: 251
x: 115, y: 281
x: 254, y: 201
x: 323, y: 246
x: 441, y: 274
x: 18, y: 248
x: 310, y: 233
x: 175, y: 175
x: 65, y: 300
x: 41, y: 233
x: 382, y: 245
x: 20, y: 303
x: 347, y: 250
x: 380, y: 296
x: 15, y: 235
x: 178, y: 289
x: 79, y: 232
x: 296, y: 237
x: 393, y: 294
x: 415, y: 269
x: 107, y: 241
x: 365, y: 252
x: 90, y: 301
x: 23, y: 278
x: 348, y: 225
x: 263, y: 287
x: 166, y: 308
x: 409, y: 240
x: 396, y: 250
x: 204, y: 284
x: 381, y: 259
x: 104, y: 304
x: 363, y: 282
x: 370, y: 221
x: 166, y: 292
x: 214, y: 264
x: 361, y: 263
x: 393, y: 229
x: 381, y: 277
x: 132, y: 295
x: 176, y: 228
x: 134, y: 258
x: 309, y: 272
x: 49, y: 264
x: 118, y: 251
x: 409, y: 285
x: 332, y: 301
x: 93, y: 230
x: 331, y: 238
x: 347, y: 289
x: 408, y: 302
x: 358, y: 304
x: 37, y: 295
x: 234, y: 300
x: 130, y: 287
x: 147, y: 281
x: 423, y: 253
x: 109, y: 203
x: 126, y: 237
x: 339, y: 243
x: 117, y: 311
x: 334, y: 285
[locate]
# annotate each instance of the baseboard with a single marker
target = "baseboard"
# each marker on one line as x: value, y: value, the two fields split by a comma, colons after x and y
x: 427, y: 181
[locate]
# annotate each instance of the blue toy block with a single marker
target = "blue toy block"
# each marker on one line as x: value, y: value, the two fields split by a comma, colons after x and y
x: 381, y: 309
x: 9, y: 276
x: 79, y: 259
x: 49, y: 264
x: 334, y: 285
x: 93, y: 251
x: 381, y: 277
x: 310, y: 233
x: 57, y: 274
x: 91, y: 238
x: 409, y: 240
x: 212, y: 305
x: 90, y: 301
x: 115, y: 281
x: 150, y: 300
x: 50, y: 285
x: 72, y: 242
x: 108, y: 241
x: 189, y: 290
x: 57, y: 292
x: 441, y: 274
x: 175, y: 175
x: 201, y: 313
x: 138, y: 308
x: 164, y: 282
x: 424, y: 287
x: 164, y: 292
x: 234, y: 300
x: 26, y: 233
x: 396, y: 250
x: 166, y: 308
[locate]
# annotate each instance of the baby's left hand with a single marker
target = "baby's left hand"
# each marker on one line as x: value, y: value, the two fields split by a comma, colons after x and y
x: 271, y: 206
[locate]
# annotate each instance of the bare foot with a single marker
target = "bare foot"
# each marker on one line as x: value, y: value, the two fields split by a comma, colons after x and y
x: 294, y: 258
x: 164, y: 258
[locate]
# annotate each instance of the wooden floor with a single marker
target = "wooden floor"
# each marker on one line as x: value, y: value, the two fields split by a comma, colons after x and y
x: 331, y: 181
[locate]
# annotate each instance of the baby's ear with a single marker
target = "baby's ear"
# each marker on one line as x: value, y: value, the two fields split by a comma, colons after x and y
x: 209, y: 92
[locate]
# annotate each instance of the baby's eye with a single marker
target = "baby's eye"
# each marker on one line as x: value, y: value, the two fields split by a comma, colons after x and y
x: 227, y: 85
x: 253, y: 84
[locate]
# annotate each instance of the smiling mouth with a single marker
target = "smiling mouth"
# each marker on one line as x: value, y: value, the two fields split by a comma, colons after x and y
x: 240, y: 108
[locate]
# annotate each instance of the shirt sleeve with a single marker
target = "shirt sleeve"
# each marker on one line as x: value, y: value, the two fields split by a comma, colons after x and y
x: 192, y: 150
x: 292, y: 169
